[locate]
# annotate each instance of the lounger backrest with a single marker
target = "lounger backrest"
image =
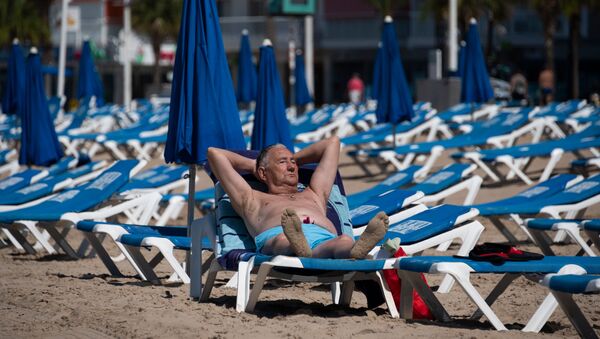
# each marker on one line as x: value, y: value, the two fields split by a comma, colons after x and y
x: 442, y: 179
x: 581, y: 191
x: 395, y: 180
x: 155, y: 177
x: 91, y: 194
x: 19, y: 180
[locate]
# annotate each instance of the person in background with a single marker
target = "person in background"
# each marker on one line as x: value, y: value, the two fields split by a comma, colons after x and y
x: 518, y: 87
x: 356, y: 89
x: 546, y: 82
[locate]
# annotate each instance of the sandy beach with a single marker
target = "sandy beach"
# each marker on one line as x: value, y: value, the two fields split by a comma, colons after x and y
x: 52, y: 296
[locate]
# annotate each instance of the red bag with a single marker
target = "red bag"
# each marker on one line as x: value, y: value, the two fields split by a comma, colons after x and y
x: 420, y: 309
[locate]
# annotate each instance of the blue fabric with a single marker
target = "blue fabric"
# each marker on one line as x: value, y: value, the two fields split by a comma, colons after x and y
x: 548, y: 224
x: 377, y: 65
x: 155, y: 177
x: 199, y: 196
x: 315, y: 235
x: 592, y: 225
x: 389, y: 202
x: 460, y: 72
x: 549, y: 264
x: 18, y: 180
x: 246, y: 86
x: 475, y: 84
x: 270, y: 122
x: 499, y: 125
x: 13, y: 100
x: 39, y: 143
x: 458, y: 110
x: 531, y: 196
x: 394, y: 102
x: 180, y: 242
x: 442, y: 179
x: 62, y: 165
x: 570, y: 283
x: 44, y: 186
x: 361, y: 265
x: 396, y: 180
x: 88, y: 82
x: 426, y: 224
x: 302, y: 95
x: 203, y: 109
x: 77, y: 199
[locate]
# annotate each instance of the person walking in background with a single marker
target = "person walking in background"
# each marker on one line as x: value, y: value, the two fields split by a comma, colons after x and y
x: 518, y: 87
x: 546, y: 82
x: 356, y: 89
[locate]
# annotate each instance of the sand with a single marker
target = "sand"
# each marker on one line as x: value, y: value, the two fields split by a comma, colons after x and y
x: 52, y: 296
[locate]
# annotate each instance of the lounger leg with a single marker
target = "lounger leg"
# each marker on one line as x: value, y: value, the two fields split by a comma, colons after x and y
x: 502, y: 228
x: 103, y: 255
x: 166, y: 248
x: 540, y: 239
x: 215, y: 267
x: 554, y: 159
x: 20, y: 238
x: 502, y: 285
x: 573, y: 231
x: 594, y: 238
x: 545, y: 310
x: 346, y: 293
x: 142, y: 264
x: 60, y: 240
x: 39, y: 237
x: 413, y: 280
x: 575, y: 315
x: 12, y: 239
x: 387, y: 295
x: 261, y: 277
x: 336, y: 293
x: 243, y: 289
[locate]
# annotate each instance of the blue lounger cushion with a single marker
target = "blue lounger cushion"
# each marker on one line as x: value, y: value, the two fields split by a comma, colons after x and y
x: 390, y: 202
x: 362, y: 265
x: 395, y: 180
x: 548, y: 224
x: 199, y: 196
x: 426, y: 224
x: 19, y: 180
x: 155, y: 177
x: 77, y: 199
x: 45, y: 186
x: 180, y: 242
x: 549, y: 264
x: 530, y: 196
x: 442, y: 179
x: 571, y: 283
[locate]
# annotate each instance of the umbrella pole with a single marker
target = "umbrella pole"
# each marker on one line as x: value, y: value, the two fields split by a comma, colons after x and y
x: 394, y: 135
x: 190, y: 205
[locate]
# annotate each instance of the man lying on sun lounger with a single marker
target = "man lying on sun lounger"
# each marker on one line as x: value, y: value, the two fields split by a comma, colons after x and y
x: 285, y: 220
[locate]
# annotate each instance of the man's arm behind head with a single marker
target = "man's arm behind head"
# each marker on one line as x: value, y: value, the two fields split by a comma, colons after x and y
x: 326, y: 154
x: 226, y: 166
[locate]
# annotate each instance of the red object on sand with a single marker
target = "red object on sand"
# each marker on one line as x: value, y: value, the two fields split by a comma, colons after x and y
x: 420, y: 309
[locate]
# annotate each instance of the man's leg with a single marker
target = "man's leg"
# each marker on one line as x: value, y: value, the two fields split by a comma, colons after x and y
x: 374, y: 232
x: 278, y: 245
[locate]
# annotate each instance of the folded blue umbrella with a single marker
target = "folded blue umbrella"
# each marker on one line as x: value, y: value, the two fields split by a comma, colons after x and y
x: 302, y: 95
x: 203, y: 110
x: 39, y: 143
x: 246, y: 86
x: 394, y: 103
x: 14, y: 90
x: 475, y: 84
x: 89, y: 83
x: 377, y: 72
x: 270, y: 122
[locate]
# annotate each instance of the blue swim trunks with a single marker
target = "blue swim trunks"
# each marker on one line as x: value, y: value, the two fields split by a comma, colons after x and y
x: 315, y: 235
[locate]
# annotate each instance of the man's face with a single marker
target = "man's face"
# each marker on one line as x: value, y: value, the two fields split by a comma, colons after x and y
x: 281, y: 169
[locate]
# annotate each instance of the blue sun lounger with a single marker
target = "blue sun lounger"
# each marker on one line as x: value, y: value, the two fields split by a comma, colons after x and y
x: 131, y: 238
x: 204, y: 200
x: 564, y: 194
x: 571, y: 227
x: 71, y: 205
x: 494, y: 131
x: 460, y: 269
x: 563, y: 287
x: 49, y: 184
x: 162, y: 179
x: 29, y: 176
